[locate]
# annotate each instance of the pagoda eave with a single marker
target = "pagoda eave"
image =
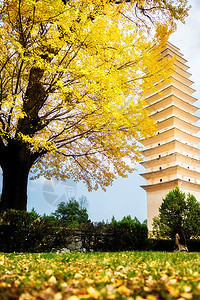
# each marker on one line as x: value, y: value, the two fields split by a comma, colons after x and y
x: 170, y: 171
x: 169, y: 146
x: 168, y: 100
x: 168, y: 185
x: 172, y: 133
x: 151, y: 98
x: 170, y: 158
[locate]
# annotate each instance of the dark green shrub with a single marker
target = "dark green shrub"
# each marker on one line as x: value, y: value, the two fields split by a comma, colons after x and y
x: 194, y: 245
x: 161, y: 245
x: 129, y: 234
x: 17, y: 226
x: 23, y: 231
x: 169, y: 245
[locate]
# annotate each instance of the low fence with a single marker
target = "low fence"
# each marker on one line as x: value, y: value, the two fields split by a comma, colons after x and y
x: 22, y: 239
x: 66, y: 240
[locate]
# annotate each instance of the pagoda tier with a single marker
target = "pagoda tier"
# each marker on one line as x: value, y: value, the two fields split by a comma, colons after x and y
x: 172, y: 160
x: 170, y: 135
x: 169, y: 101
x: 171, y: 173
x: 178, y: 123
x: 166, y: 92
x: 171, y: 157
x: 171, y: 147
x: 174, y: 111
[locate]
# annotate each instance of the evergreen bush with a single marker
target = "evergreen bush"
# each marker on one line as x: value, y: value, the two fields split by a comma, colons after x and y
x: 23, y: 231
x: 28, y: 232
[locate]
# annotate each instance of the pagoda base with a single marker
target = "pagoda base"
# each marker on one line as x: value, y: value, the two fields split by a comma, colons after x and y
x: 156, y: 192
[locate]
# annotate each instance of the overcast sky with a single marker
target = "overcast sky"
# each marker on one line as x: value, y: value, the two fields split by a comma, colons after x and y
x: 125, y: 196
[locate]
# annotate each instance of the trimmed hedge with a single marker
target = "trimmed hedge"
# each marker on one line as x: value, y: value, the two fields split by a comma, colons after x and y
x: 124, y: 235
x: 169, y: 245
x: 22, y: 231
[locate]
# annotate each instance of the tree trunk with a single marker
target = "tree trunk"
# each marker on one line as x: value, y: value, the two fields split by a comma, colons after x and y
x: 16, y: 163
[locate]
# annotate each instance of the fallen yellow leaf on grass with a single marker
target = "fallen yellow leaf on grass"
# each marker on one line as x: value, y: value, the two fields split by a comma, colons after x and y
x: 124, y: 290
x: 198, y: 287
x: 120, y: 268
x: 3, y: 284
x: 117, y: 282
x: 187, y: 288
x: 73, y: 298
x: 78, y: 276
x: 57, y: 296
x: 47, y: 293
x: 151, y: 297
x: 64, y: 285
x: 147, y: 289
x: 139, y: 298
x: 111, y: 297
x: 49, y: 272
x: 150, y: 281
x: 187, y: 296
x: 164, y: 278
x: 172, y: 281
x: 173, y: 291
x: 89, y: 280
x: 26, y: 296
x: 52, y: 279
x: 93, y: 293
x: 17, y: 282
x: 105, y: 278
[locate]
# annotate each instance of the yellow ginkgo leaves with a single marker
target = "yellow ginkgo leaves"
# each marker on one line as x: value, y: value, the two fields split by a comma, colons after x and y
x: 72, y: 79
x: 54, y: 276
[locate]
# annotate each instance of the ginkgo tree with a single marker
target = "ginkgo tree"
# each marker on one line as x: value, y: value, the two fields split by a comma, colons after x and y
x: 73, y: 75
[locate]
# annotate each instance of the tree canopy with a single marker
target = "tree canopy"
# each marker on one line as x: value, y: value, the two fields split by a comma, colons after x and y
x: 72, y: 81
x: 71, y: 213
x: 178, y: 209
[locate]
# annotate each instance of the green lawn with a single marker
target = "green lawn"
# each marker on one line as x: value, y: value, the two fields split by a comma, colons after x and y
x: 120, y: 275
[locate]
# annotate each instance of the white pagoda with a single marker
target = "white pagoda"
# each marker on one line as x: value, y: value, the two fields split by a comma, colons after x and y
x: 172, y: 155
